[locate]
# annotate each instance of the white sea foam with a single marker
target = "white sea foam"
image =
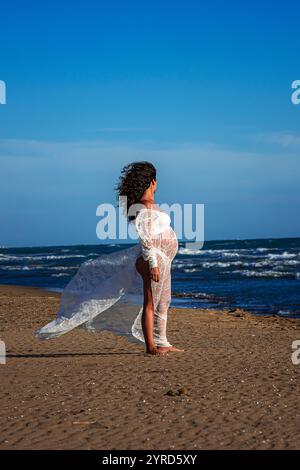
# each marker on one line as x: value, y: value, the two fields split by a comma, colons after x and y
x: 269, y: 273
x: 60, y: 268
x: 188, y: 251
x: 49, y: 257
x: 17, y: 268
x: 285, y: 254
x: 37, y: 267
x: 224, y: 252
x: 39, y: 257
x: 8, y: 257
x: 183, y: 266
x: 284, y: 313
x: 59, y: 275
x: 231, y: 255
x: 292, y: 262
x: 216, y: 263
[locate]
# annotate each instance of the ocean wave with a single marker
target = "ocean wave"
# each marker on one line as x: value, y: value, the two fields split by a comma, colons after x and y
x: 61, y: 268
x: 37, y: 258
x: 281, y: 263
x: 221, y: 264
x: 230, y: 253
x: 189, y: 251
x: 51, y: 257
x: 37, y: 267
x: 278, y: 264
x: 292, y: 262
x: 286, y: 313
x: 199, y: 295
x: 17, y: 268
x: 269, y: 273
x: 59, y: 275
x: 285, y: 254
x: 181, y: 264
x: 8, y: 257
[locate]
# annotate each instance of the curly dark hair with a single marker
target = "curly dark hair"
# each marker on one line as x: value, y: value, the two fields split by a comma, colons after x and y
x: 134, y: 180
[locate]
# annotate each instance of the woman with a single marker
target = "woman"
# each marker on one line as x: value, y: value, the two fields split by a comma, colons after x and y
x: 103, y: 294
x: 159, y: 246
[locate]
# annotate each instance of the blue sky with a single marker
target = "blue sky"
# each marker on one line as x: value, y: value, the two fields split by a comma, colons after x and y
x: 201, y: 89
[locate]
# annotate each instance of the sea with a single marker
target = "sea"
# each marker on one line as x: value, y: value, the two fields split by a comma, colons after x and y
x: 258, y: 275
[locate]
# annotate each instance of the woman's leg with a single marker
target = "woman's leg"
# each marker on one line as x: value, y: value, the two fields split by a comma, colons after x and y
x: 161, y: 314
x: 163, y: 299
x: 148, y: 308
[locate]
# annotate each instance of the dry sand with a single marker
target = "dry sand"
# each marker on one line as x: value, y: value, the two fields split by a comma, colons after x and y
x: 95, y: 391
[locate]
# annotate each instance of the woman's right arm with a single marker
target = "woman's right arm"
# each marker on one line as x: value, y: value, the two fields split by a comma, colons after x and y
x: 144, y: 226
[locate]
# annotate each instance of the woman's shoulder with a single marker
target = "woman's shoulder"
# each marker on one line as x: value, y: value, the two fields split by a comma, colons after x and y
x: 149, y: 208
x: 145, y: 212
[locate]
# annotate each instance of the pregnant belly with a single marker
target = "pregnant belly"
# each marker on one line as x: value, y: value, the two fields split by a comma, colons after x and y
x: 169, y: 243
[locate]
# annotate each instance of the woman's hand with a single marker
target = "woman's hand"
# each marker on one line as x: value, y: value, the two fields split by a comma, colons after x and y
x: 155, y: 274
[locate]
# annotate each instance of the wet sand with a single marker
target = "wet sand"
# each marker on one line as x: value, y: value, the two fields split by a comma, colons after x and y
x: 239, y: 388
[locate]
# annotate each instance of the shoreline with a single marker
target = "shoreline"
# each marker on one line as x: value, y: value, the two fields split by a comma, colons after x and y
x: 227, y: 310
x: 88, y: 390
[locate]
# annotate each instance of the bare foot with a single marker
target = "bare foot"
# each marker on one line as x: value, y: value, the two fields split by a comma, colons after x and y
x: 169, y: 348
x: 156, y: 352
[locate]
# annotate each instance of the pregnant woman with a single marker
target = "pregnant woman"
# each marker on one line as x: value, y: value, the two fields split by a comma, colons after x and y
x: 104, y: 293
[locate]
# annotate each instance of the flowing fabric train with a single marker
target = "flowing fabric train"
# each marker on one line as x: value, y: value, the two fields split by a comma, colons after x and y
x: 106, y: 293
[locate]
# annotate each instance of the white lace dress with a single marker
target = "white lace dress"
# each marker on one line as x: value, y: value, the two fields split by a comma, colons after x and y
x: 106, y: 293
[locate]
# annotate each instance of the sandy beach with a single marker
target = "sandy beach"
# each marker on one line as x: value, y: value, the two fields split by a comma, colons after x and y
x: 238, y: 386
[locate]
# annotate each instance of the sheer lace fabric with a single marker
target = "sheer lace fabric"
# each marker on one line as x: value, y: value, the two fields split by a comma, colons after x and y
x: 159, y: 246
x: 107, y: 293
